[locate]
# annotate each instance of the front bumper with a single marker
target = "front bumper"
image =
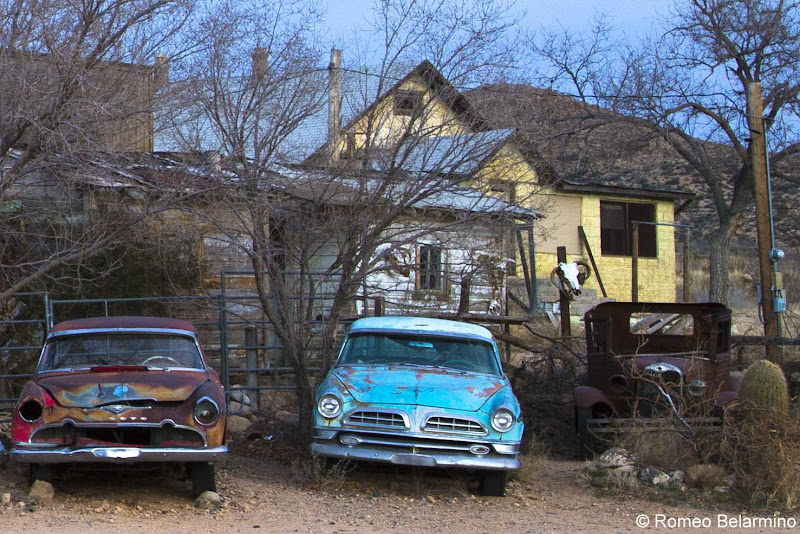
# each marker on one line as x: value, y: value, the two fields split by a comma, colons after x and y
x: 119, y: 455
x: 396, y: 450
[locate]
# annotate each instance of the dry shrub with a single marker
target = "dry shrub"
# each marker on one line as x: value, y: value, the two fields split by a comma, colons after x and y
x: 762, y: 447
x: 667, y: 447
x: 532, y: 462
x: 320, y: 472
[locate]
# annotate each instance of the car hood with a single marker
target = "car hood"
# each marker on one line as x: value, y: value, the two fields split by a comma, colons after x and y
x: 89, y: 389
x: 425, y: 386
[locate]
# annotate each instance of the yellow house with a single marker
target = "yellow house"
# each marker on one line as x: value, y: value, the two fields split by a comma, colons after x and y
x: 595, y: 225
x: 593, y: 222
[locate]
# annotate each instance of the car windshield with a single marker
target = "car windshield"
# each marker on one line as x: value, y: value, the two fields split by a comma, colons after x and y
x: 387, y: 349
x: 120, y: 349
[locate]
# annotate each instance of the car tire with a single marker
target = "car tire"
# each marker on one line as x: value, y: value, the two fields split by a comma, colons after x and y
x: 588, y: 442
x: 203, y: 478
x: 493, y: 483
x: 41, y: 472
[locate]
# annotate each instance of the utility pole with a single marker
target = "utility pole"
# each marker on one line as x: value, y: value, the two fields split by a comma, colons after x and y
x: 758, y: 153
x: 563, y: 299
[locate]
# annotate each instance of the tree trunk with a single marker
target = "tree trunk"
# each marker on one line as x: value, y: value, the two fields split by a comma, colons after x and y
x: 719, y: 283
x: 305, y: 405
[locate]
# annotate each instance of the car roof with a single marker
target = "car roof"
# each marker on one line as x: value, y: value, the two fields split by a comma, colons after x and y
x: 421, y: 325
x: 122, y: 322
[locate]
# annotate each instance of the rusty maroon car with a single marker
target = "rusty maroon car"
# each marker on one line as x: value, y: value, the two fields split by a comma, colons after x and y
x: 651, y: 364
x: 122, y: 390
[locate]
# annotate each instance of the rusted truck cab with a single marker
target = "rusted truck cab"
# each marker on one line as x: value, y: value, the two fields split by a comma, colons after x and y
x: 647, y: 360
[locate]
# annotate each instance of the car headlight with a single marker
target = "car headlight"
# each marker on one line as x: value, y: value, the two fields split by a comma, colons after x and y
x: 206, y: 412
x: 329, y: 406
x: 502, y: 420
x: 697, y: 388
x: 31, y: 411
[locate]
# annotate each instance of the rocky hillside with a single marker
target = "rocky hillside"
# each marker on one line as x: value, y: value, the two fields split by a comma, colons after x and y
x: 576, y: 142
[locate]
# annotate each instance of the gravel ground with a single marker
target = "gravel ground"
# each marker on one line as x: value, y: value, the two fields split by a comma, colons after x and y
x: 263, y: 490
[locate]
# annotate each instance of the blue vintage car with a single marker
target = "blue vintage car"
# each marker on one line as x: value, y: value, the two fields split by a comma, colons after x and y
x: 420, y: 392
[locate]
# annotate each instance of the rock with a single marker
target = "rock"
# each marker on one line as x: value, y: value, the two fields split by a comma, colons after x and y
x: 42, y: 491
x: 615, y: 457
x: 623, y: 470
x: 676, y: 479
x: 236, y: 408
x: 208, y: 499
x: 238, y: 424
x: 654, y: 476
x: 726, y: 485
x: 705, y: 475
x: 677, y: 476
x: 287, y: 417
x: 661, y: 480
x: 237, y: 395
x: 6, y: 498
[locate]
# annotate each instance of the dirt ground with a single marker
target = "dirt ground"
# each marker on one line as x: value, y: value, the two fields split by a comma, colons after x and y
x: 263, y: 490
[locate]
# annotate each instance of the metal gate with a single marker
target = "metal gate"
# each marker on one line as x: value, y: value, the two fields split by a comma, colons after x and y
x: 21, y: 336
x: 238, y: 339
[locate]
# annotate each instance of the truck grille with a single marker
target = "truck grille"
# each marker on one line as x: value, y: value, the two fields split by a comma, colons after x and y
x: 376, y: 419
x: 454, y: 425
x: 669, y: 379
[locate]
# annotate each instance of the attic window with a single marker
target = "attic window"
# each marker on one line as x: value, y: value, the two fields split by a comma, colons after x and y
x: 407, y: 103
x: 616, y: 228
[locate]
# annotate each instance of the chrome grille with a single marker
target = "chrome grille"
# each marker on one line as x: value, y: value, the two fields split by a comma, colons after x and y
x: 454, y: 425
x: 378, y: 419
x: 660, y: 389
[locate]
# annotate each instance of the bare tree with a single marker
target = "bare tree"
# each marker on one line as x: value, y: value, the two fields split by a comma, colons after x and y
x: 688, y: 87
x: 74, y: 83
x: 322, y: 223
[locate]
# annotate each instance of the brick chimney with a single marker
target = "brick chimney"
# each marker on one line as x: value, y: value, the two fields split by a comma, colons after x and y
x: 161, y: 72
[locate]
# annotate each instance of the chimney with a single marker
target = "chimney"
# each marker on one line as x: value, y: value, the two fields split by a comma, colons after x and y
x: 260, y: 63
x: 161, y: 72
x: 334, y: 106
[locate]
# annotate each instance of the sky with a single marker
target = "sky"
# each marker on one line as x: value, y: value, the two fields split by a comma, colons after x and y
x: 633, y: 17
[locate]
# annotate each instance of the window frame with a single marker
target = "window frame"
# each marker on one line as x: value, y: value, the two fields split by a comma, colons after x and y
x: 618, y: 241
x: 407, y: 102
x: 425, y: 272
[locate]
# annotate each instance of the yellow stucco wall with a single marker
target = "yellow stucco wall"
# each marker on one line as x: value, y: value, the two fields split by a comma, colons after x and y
x: 656, y: 275
x: 383, y: 127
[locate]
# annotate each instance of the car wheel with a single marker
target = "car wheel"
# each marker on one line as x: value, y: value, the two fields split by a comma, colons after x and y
x: 493, y: 483
x: 41, y: 472
x: 202, y: 478
x: 588, y: 442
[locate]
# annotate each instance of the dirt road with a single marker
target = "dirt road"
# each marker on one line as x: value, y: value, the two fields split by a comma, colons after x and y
x: 262, y: 495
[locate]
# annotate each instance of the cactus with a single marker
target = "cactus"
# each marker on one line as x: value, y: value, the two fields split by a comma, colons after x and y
x: 764, y: 386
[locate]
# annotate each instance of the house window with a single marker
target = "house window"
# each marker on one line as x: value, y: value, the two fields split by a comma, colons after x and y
x: 616, y: 228
x: 431, y: 275
x: 407, y: 102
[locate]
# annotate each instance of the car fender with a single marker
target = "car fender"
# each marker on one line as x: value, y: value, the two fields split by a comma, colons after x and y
x: 587, y: 396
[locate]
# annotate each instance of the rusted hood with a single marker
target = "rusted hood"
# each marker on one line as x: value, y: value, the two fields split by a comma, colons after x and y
x: 436, y: 387
x: 86, y: 389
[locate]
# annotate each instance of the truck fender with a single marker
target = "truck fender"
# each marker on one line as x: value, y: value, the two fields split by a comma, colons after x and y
x: 587, y: 396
